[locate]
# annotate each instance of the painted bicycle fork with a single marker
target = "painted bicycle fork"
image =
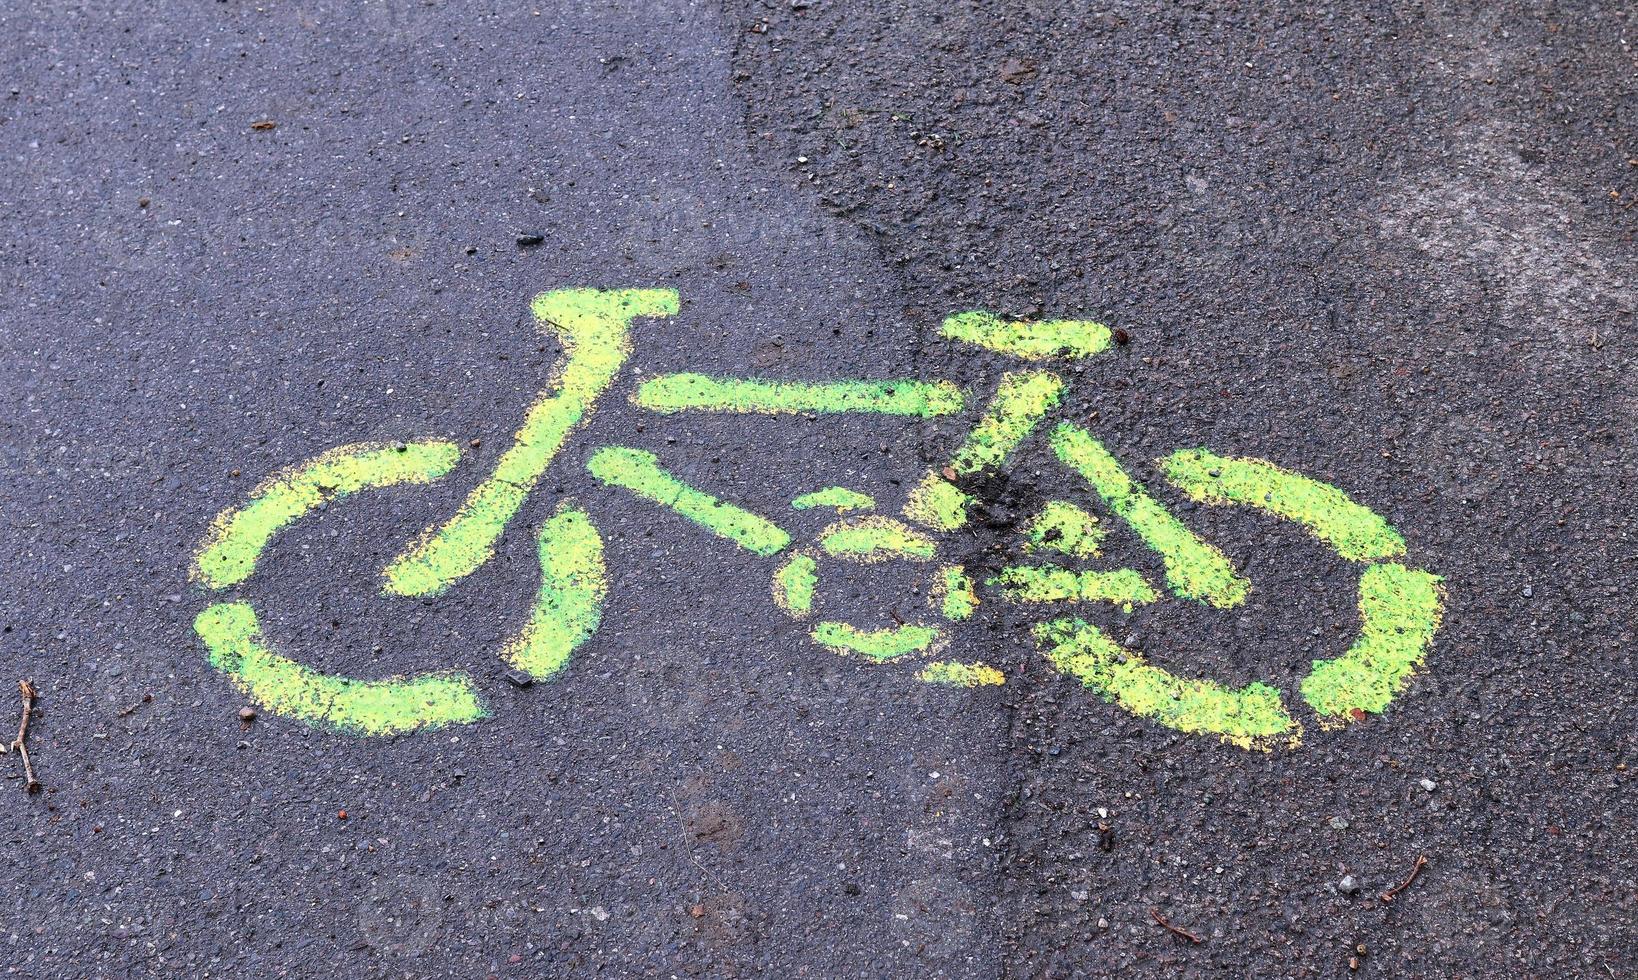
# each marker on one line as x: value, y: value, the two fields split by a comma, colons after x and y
x: 1399, y: 606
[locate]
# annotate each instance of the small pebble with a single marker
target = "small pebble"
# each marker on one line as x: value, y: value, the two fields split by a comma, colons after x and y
x: 247, y: 714
x: 1348, y: 885
x: 1338, y: 823
x: 530, y: 240
x: 1429, y: 785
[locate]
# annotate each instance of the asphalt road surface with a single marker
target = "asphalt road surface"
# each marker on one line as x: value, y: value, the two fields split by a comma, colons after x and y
x: 1390, y: 245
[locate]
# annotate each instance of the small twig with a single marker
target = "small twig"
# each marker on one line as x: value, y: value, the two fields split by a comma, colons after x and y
x: 31, y: 784
x: 1416, y: 869
x: 688, y: 848
x: 1175, y: 930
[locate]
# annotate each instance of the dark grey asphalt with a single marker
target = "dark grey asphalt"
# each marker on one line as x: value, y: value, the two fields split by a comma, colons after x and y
x: 1389, y: 245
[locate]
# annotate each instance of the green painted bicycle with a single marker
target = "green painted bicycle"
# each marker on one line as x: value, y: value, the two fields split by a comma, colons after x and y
x: 1399, y: 606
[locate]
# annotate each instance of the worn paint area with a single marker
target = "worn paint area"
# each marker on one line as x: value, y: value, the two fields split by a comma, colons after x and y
x: 1124, y: 587
x: 1065, y: 528
x: 958, y: 674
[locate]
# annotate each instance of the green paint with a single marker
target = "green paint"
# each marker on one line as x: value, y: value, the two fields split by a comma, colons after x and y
x: 1046, y: 584
x: 1065, y: 528
x: 1030, y: 341
x: 1399, y: 609
x: 938, y: 504
x: 640, y: 472
x: 699, y: 392
x: 884, y: 644
x: 1020, y: 401
x: 874, y: 539
x: 1250, y: 717
x: 960, y: 674
x: 569, y: 605
x: 237, y: 538
x: 954, y: 594
x: 594, y: 327
x: 840, y: 498
x: 1354, y: 531
x: 1194, y: 569
x: 794, y: 585
x: 233, y: 637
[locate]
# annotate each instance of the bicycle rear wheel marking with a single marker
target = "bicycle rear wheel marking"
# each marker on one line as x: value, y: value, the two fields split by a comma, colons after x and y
x: 1355, y: 532
x: 238, y: 536
x: 684, y: 392
x: 1400, y: 609
x: 233, y: 638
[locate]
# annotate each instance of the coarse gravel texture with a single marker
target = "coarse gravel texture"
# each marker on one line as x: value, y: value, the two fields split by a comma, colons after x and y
x: 1390, y: 245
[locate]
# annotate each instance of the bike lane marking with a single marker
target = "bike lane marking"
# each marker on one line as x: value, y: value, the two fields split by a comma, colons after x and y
x: 640, y: 472
x: 671, y: 393
x: 595, y: 328
x: 232, y: 633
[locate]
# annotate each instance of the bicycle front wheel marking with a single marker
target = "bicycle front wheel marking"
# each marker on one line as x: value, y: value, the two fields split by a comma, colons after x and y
x: 1252, y: 717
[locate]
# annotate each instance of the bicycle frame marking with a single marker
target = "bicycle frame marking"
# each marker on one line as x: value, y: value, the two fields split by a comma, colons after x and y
x: 640, y: 472
x: 1021, y: 401
x: 672, y: 393
x: 1194, y: 569
x: 1400, y: 607
x: 595, y: 327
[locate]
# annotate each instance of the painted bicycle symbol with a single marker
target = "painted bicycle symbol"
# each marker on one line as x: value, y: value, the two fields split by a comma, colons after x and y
x: 1399, y: 606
